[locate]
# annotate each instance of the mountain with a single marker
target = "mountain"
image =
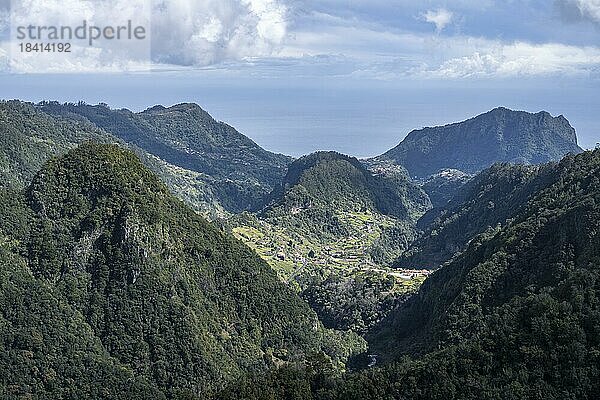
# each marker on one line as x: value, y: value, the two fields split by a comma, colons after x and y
x: 48, y: 349
x: 30, y: 137
x: 238, y: 171
x: 485, y: 203
x: 525, y: 294
x: 337, y: 181
x: 113, y: 288
x: 330, y: 227
x: 444, y: 185
x: 500, y: 135
x: 367, y: 219
x: 516, y: 315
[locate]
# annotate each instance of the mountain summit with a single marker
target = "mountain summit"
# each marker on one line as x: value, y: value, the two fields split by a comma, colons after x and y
x: 500, y: 135
x: 334, y: 180
x: 130, y: 283
x: 232, y: 169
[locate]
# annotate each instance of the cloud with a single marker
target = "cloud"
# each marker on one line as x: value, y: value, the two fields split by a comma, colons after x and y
x: 590, y: 9
x: 201, y: 33
x: 367, y: 38
x: 183, y: 32
x: 389, y: 55
x: 3, y: 60
x: 4, y: 17
x: 110, y: 55
x: 440, y: 18
x: 518, y: 60
x: 381, y: 51
x: 580, y: 10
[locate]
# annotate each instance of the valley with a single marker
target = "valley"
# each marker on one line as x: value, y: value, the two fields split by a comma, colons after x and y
x: 322, y: 269
x: 169, y: 250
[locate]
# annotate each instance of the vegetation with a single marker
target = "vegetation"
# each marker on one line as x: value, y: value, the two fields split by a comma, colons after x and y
x: 358, y: 301
x: 484, y: 204
x: 110, y: 287
x: 515, y: 316
x: 31, y: 137
x: 444, y: 185
x: 500, y: 135
x: 333, y: 180
x: 330, y: 227
x: 345, y: 241
x: 235, y: 171
x: 154, y: 289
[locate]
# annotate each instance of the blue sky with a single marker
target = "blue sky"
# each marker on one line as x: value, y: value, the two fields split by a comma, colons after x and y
x: 354, y: 76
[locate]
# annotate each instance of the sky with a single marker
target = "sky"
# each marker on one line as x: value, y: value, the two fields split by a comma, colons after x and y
x: 301, y: 75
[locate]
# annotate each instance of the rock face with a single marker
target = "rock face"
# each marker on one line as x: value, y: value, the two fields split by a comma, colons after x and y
x: 500, y: 135
x: 441, y: 187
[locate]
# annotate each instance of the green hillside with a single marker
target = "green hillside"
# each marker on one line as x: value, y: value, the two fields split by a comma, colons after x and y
x: 484, y: 204
x: 330, y: 229
x: 236, y: 171
x: 500, y: 135
x: 516, y: 316
x: 444, y: 185
x: 166, y: 299
x: 30, y: 137
x: 46, y: 347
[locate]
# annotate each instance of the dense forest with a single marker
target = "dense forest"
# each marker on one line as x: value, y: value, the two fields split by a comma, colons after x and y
x: 30, y: 137
x: 162, y: 254
x: 136, y: 282
x: 235, y: 171
x: 515, y: 316
x: 330, y: 226
x: 486, y: 202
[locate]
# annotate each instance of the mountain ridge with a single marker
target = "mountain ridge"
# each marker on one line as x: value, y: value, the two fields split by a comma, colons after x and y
x: 239, y: 172
x: 174, y: 300
x: 516, y: 315
x: 499, y: 135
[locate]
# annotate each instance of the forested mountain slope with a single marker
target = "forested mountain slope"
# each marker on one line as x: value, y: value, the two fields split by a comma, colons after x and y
x: 444, y: 185
x: 142, y: 288
x: 330, y: 227
x: 500, y: 135
x: 484, y: 204
x: 30, y: 137
x: 517, y: 315
x: 238, y: 171
x: 329, y: 181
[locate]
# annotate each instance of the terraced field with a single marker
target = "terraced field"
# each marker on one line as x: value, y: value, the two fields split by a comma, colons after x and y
x: 309, y: 264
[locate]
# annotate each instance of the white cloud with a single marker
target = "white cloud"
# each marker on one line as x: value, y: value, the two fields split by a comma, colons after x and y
x: 402, y: 54
x: 4, y: 61
x: 283, y: 37
x: 192, y: 33
x: 4, y: 16
x: 106, y: 55
x: 440, y: 18
x: 589, y: 9
x: 200, y: 33
x: 580, y: 10
x: 519, y: 59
